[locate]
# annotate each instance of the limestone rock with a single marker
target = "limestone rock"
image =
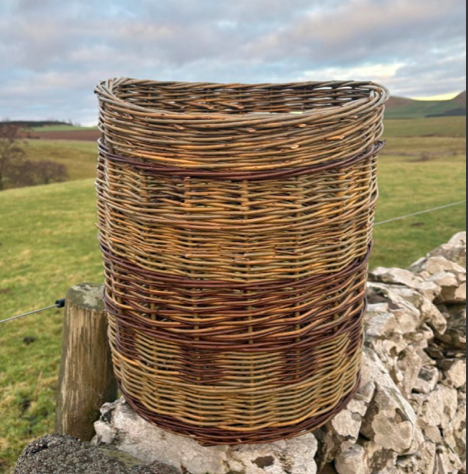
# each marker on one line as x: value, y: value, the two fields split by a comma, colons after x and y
x: 427, y: 380
x: 389, y: 424
x: 390, y: 421
x: 121, y: 427
x: 454, y: 372
x: 380, y: 322
x: 353, y: 461
x: 381, y: 459
x: 410, y: 365
x: 454, y: 250
x: 397, y: 276
x: 455, y: 336
x: 429, y: 312
x: 448, y: 275
x: 407, y: 315
x: 342, y: 432
x: 452, y: 293
x: 433, y: 434
x: 440, y: 408
x: 436, y: 265
x: 63, y: 455
x: 447, y: 461
x: 455, y: 435
x: 346, y: 427
x: 423, y: 462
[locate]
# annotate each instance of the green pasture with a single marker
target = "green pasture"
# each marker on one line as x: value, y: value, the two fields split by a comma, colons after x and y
x: 48, y: 243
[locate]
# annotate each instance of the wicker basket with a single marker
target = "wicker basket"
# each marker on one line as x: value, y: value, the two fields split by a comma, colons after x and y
x: 236, y: 224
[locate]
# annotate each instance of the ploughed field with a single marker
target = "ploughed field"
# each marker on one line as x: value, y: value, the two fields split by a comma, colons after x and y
x: 72, y: 135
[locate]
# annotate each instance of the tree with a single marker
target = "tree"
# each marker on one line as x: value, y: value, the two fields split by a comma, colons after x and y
x: 25, y: 173
x: 48, y: 172
x: 11, y: 152
x: 15, y: 170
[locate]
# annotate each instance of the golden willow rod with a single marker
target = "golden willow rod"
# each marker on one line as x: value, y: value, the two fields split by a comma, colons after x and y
x: 235, y: 223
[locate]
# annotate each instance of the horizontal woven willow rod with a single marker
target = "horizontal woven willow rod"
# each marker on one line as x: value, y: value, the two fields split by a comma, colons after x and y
x: 235, y: 224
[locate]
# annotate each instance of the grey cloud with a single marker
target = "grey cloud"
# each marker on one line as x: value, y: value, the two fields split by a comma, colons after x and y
x: 361, y: 29
x: 52, y: 52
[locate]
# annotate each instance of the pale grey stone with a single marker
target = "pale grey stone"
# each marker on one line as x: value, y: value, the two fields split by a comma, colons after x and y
x: 408, y: 316
x: 427, y: 380
x: 397, y: 276
x: 438, y: 265
x: 455, y: 336
x: 428, y: 311
x: 433, y: 434
x: 381, y: 458
x: 439, y: 408
x: 417, y: 401
x: 455, y: 435
x: 390, y: 421
x: 458, y: 240
x: 346, y: 427
x: 353, y: 461
x: 343, y: 431
x: 452, y: 293
x: 410, y: 365
x: 447, y: 461
x: 422, y: 462
x: 454, y: 250
x: 454, y: 372
x: 379, y: 323
x: 121, y: 427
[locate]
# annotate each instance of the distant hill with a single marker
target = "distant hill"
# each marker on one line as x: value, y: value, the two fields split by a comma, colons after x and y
x: 401, y: 108
x: 461, y: 99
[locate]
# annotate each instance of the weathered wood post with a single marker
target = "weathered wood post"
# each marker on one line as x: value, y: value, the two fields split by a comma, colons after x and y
x: 86, y: 379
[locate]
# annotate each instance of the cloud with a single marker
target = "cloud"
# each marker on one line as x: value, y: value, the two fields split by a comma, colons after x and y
x: 54, y: 52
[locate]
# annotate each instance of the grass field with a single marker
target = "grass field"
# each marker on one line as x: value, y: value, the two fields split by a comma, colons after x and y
x: 431, y: 127
x: 48, y: 243
x: 79, y: 157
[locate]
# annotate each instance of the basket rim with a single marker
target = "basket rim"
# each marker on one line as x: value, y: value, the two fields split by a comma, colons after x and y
x: 378, y: 96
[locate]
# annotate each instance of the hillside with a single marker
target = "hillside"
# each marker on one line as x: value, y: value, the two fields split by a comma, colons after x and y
x: 402, y: 108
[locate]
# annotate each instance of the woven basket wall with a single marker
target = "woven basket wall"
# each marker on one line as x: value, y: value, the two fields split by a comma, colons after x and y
x: 235, y: 223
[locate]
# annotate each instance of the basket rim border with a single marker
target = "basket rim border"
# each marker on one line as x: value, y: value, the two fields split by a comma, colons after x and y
x: 378, y: 96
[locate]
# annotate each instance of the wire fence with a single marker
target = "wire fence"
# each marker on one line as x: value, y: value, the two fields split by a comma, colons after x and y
x: 61, y: 303
x: 427, y: 211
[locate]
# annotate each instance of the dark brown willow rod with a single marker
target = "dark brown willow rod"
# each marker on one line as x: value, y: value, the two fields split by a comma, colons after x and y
x: 235, y: 223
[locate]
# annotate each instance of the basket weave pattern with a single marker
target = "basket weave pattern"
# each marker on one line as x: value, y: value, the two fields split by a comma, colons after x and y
x: 235, y: 224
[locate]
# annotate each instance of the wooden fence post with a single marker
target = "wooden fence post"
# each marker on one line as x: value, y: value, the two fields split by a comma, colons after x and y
x: 86, y: 379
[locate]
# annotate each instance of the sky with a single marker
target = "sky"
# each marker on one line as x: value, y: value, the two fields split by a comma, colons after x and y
x: 54, y: 52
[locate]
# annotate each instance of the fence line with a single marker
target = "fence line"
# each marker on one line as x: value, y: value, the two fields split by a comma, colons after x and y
x: 61, y: 303
x: 427, y: 211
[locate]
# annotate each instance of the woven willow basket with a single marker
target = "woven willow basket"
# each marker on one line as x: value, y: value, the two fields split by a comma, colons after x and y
x: 236, y: 224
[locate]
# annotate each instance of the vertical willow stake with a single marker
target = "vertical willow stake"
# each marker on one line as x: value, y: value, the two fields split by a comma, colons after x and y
x: 86, y: 379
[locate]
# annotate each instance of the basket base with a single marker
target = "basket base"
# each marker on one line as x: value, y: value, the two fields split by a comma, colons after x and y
x: 218, y: 437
